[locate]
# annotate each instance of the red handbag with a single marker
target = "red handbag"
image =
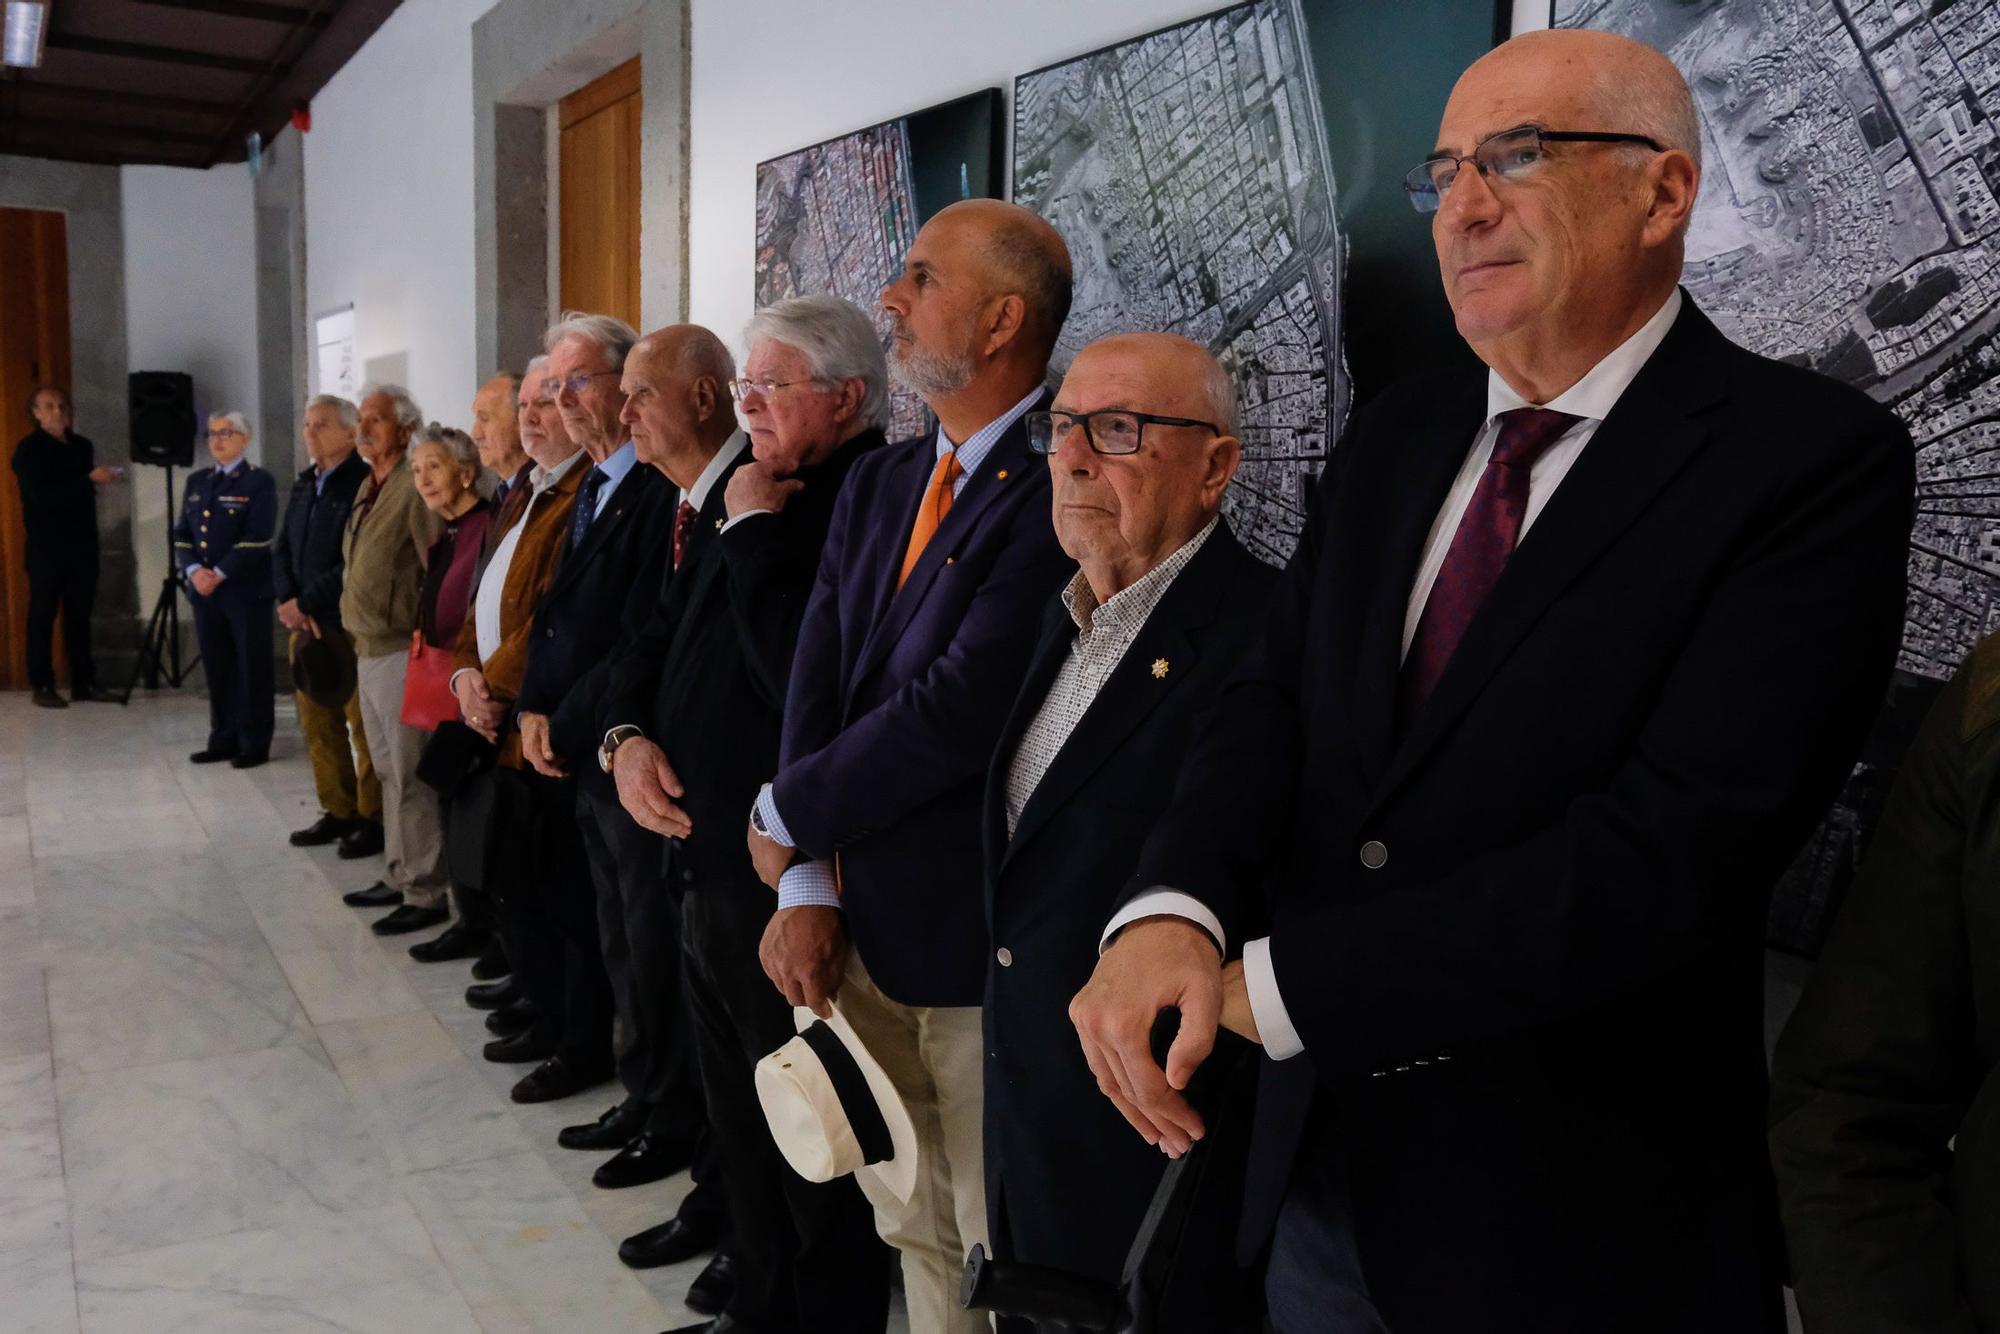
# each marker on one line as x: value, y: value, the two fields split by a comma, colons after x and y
x: 427, y: 697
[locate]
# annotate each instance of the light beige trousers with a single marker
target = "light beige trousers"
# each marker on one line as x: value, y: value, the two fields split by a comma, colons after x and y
x: 932, y: 1056
x: 412, y: 830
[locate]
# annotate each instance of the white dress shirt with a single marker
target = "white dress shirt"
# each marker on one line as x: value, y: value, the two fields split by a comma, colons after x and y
x: 813, y: 882
x: 1590, y: 399
x: 493, y: 580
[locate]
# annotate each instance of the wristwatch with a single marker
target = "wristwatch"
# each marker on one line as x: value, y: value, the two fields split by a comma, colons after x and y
x: 613, y: 739
x: 757, y: 821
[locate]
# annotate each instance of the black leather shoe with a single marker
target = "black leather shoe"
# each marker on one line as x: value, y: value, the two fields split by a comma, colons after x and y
x: 492, y: 995
x: 712, y: 1288
x: 377, y: 895
x: 211, y: 756
x: 722, y: 1324
x: 47, y: 698
x: 520, y: 1049
x: 556, y: 1078
x: 668, y: 1244
x: 92, y: 695
x: 613, y: 1130
x: 409, y: 918
x: 363, y: 840
x: 250, y: 761
x: 457, y: 941
x: 492, y: 962
x: 650, y: 1157
x: 514, y: 1017
x: 327, y: 829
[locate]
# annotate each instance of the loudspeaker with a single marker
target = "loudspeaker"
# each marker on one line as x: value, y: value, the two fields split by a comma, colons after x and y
x: 161, y: 407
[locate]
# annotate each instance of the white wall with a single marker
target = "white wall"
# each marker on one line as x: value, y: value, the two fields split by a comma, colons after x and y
x: 190, y: 305
x: 389, y: 204
x: 852, y: 64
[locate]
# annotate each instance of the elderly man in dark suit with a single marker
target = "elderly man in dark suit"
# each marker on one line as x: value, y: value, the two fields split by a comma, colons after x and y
x: 306, y: 569
x: 693, y: 720
x: 1141, y: 444
x: 1487, y: 827
x: 938, y: 561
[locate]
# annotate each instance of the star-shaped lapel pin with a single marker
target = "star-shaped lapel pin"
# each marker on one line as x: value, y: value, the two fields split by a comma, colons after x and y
x: 1160, y: 668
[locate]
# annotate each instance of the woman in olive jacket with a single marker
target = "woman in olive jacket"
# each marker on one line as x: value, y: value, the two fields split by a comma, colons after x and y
x: 1885, y: 1105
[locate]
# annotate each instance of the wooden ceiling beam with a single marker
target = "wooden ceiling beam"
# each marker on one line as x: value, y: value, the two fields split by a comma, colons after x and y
x: 197, y: 106
x: 165, y: 55
x: 249, y: 9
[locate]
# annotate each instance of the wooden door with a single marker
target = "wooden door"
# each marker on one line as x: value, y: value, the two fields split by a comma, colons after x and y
x: 34, y: 350
x: 598, y: 207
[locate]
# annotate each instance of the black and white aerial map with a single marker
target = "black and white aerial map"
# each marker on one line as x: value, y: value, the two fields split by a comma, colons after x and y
x: 1188, y: 172
x: 837, y: 218
x: 1848, y: 221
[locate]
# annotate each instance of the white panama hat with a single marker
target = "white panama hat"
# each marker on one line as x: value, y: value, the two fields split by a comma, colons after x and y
x: 833, y: 1111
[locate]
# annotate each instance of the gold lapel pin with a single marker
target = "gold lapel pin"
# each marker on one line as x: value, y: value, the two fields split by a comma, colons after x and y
x: 1159, y: 669
x: 718, y: 525
x: 1001, y: 475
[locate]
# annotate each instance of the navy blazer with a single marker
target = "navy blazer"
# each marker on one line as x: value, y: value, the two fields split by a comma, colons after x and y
x: 1522, y: 939
x: 597, y: 598
x: 1067, y: 1180
x: 306, y: 561
x: 897, y: 697
x: 228, y: 524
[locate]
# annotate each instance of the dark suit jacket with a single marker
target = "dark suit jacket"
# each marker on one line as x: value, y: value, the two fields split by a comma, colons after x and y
x: 597, y: 597
x: 305, y: 560
x: 897, y: 697
x: 1067, y: 1180
x: 1558, y: 877
x: 706, y: 678
x: 1885, y: 1105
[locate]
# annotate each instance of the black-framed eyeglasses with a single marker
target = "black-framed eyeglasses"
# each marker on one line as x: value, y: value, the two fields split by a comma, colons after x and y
x: 576, y: 384
x: 1510, y: 155
x: 1113, y: 431
x: 742, y: 387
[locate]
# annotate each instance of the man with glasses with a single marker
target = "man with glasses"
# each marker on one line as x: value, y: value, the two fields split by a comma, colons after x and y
x: 938, y: 561
x: 1480, y: 842
x: 229, y: 516
x: 1141, y: 444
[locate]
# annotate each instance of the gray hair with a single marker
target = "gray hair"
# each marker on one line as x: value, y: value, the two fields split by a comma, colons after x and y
x: 341, y: 408
x: 408, y: 415
x: 1218, y: 386
x: 235, y: 419
x: 455, y: 442
x: 837, y: 340
x: 609, y: 332
x: 536, y: 365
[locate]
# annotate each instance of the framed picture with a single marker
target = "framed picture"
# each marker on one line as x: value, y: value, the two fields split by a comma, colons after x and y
x: 838, y: 216
x: 1237, y: 178
x: 336, y: 370
x: 1847, y: 221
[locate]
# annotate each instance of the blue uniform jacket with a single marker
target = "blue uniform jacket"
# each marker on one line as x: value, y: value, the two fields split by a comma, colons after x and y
x: 227, y: 523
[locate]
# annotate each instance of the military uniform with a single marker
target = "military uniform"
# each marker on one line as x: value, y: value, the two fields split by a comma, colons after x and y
x: 226, y: 524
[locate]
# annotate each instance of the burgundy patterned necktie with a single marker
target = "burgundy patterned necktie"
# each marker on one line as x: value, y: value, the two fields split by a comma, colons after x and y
x: 683, y: 529
x: 1479, y: 549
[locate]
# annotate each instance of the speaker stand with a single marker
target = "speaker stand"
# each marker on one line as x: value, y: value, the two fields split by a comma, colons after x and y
x: 160, y: 651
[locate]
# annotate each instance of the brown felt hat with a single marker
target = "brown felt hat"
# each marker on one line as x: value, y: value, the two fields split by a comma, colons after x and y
x: 323, y: 668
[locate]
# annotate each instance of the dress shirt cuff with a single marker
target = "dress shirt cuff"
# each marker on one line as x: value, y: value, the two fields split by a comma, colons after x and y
x: 451, y: 684
x: 809, y: 884
x: 1267, y: 1007
x: 741, y: 517
x: 767, y: 811
x: 1164, y: 902
x: 187, y: 570
x: 221, y: 574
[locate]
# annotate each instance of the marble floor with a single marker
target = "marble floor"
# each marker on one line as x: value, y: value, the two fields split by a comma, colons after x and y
x: 226, y: 1106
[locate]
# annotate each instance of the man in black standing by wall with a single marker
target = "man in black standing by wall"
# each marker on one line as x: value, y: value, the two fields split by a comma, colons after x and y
x: 59, y: 507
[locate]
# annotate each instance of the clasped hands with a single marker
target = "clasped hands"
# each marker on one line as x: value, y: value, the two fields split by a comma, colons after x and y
x: 1155, y: 963
x: 204, y: 580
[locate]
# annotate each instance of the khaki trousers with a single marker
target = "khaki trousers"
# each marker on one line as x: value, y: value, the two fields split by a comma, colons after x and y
x: 343, y: 773
x: 932, y: 1056
x: 412, y: 830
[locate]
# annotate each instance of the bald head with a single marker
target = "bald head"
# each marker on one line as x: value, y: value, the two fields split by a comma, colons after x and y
x: 676, y: 387
x: 1024, y: 256
x: 1130, y: 493
x: 1552, y: 258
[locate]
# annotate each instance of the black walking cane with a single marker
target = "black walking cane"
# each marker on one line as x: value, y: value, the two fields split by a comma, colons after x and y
x: 1168, y: 1285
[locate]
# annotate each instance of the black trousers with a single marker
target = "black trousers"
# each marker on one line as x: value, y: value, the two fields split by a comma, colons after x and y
x: 807, y: 1257
x: 551, y: 921
x: 234, y: 633
x: 64, y: 581
x: 639, y: 923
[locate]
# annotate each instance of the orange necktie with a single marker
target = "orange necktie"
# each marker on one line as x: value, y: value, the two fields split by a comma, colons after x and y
x: 937, y: 504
